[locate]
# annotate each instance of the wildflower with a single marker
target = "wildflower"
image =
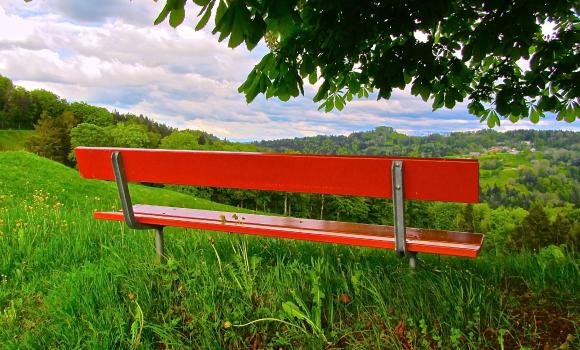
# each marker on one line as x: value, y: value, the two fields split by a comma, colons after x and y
x: 227, y: 325
x: 131, y: 296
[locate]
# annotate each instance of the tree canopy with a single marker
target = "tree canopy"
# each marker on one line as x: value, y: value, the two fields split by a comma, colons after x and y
x: 492, y: 54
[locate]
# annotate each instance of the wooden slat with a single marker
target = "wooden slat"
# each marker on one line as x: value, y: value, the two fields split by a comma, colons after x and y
x: 452, y: 180
x: 418, y: 240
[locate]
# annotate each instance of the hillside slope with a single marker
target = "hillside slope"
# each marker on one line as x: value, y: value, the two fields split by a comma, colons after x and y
x: 23, y: 174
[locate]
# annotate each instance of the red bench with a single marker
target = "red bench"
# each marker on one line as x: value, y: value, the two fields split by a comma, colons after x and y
x: 451, y: 180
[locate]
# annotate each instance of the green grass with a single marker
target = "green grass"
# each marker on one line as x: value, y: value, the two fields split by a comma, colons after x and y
x: 69, y: 281
x: 14, y: 140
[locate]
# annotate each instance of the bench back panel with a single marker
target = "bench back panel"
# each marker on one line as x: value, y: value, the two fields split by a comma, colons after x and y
x: 451, y: 180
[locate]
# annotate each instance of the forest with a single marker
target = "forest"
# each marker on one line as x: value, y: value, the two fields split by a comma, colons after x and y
x: 530, y: 179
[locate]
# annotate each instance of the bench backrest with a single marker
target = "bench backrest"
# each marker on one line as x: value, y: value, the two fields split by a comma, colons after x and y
x: 451, y: 180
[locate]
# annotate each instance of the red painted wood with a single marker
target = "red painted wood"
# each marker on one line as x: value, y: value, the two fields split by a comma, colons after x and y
x: 452, y: 180
x: 418, y: 240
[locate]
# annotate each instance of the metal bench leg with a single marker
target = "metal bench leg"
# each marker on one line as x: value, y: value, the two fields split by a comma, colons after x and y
x: 127, y: 204
x: 159, y: 243
x: 412, y: 259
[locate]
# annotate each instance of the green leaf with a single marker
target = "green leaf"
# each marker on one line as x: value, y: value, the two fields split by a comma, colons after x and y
x: 283, y: 70
x: 439, y: 101
x: 329, y: 104
x: 282, y: 91
x: 257, y: 31
x: 241, y: 25
x: 253, y: 90
x: 548, y: 103
x: 176, y: 17
x: 407, y: 77
x: 501, y: 102
x: 567, y: 114
x: 283, y: 96
x: 201, y: 2
x: 339, y: 102
x: 312, y: 78
x: 416, y: 88
x: 438, y: 33
x: 385, y: 92
x: 514, y: 118
x: 285, y: 24
x: 249, y: 80
x: 292, y: 83
x: 425, y: 93
x: 164, y: 12
x: 265, y: 64
x: 226, y: 23
x: 271, y: 92
x: 493, y: 119
x: 221, y: 10
x: 476, y: 108
x: 322, y: 90
x: 307, y: 66
x: 535, y: 115
x: 293, y: 311
x: 449, y: 101
x: 349, y: 96
x: 205, y: 18
x: 236, y: 38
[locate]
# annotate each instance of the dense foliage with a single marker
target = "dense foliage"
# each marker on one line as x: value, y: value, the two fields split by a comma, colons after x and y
x: 447, y: 51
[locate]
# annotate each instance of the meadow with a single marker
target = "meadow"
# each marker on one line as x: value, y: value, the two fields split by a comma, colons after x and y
x: 69, y: 281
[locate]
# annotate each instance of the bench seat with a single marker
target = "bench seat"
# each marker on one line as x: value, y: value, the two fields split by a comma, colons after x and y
x: 418, y: 240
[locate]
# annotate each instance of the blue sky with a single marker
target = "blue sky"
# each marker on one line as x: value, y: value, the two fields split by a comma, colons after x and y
x: 108, y: 53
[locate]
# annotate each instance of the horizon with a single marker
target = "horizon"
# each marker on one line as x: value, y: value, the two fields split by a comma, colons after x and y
x: 111, y: 55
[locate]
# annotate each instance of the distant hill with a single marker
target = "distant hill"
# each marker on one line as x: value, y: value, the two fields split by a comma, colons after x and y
x: 386, y: 141
x: 14, y: 140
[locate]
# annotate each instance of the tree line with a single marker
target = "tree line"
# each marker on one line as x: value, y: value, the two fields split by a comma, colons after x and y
x: 61, y: 126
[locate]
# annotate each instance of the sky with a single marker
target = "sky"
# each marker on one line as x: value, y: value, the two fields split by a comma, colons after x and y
x: 108, y: 53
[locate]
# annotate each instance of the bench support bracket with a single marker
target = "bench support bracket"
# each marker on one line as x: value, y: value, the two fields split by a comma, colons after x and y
x: 127, y: 204
x: 399, y: 213
x: 398, y: 207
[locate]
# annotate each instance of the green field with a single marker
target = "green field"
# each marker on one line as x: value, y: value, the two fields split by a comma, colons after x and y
x: 14, y: 140
x: 507, y: 167
x: 69, y: 281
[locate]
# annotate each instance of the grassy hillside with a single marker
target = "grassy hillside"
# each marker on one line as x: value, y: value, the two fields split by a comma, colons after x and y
x: 69, y: 281
x: 24, y: 174
x: 13, y: 140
